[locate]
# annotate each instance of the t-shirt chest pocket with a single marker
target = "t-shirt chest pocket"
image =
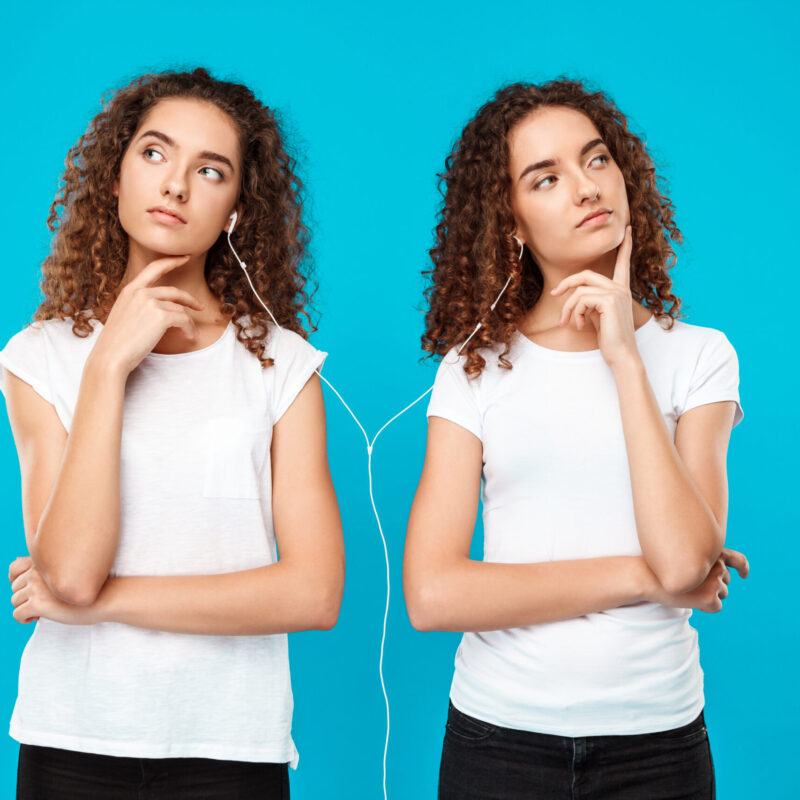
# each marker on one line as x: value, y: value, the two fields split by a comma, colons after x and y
x: 235, y: 450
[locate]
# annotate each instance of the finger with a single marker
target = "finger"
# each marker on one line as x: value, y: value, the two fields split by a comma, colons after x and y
x: 572, y: 301
x: 155, y: 269
x: 737, y: 560
x: 586, y: 304
x: 622, y: 266
x: 20, y: 581
x: 23, y: 616
x: 569, y: 304
x: 176, y: 317
x: 18, y: 566
x: 176, y: 296
x: 20, y: 597
x: 586, y: 277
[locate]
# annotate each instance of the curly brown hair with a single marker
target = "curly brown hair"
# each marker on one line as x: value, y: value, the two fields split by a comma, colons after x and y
x: 474, y: 253
x: 89, y: 252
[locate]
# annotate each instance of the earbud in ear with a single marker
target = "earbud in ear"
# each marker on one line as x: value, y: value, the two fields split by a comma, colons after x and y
x: 233, y: 217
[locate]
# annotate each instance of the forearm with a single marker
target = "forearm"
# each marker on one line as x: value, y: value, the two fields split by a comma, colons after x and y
x: 277, y: 598
x: 678, y: 533
x: 467, y: 595
x: 76, y: 539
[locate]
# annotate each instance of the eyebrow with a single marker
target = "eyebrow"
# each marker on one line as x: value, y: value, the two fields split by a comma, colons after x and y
x: 207, y: 155
x: 551, y: 162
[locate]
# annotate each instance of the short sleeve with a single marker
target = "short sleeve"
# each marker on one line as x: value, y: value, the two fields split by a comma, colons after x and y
x: 454, y: 395
x: 295, y: 361
x: 716, y: 376
x: 25, y: 355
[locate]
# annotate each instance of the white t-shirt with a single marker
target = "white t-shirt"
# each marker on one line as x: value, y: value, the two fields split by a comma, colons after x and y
x: 195, y: 498
x: 556, y: 486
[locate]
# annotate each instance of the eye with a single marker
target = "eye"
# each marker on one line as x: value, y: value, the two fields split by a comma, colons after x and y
x: 146, y: 153
x: 605, y: 158
x: 211, y: 173
x: 541, y: 182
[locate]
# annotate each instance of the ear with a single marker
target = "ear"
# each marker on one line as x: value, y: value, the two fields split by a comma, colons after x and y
x: 229, y: 222
x: 115, y: 187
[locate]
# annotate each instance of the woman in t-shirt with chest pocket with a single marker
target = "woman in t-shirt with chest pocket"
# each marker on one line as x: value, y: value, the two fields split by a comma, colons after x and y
x: 171, y: 437
x: 595, y: 426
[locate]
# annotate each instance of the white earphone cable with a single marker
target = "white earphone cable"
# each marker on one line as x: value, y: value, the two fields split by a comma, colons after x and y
x: 370, y: 446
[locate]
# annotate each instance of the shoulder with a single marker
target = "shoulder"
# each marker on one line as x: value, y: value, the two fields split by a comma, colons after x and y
x: 51, y: 331
x: 453, y: 362
x: 278, y: 342
x: 686, y: 339
x: 290, y: 350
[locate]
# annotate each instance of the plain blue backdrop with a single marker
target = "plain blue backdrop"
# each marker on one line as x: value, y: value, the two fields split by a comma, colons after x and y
x: 373, y: 96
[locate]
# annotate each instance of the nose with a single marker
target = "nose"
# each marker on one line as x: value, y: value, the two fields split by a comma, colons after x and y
x: 175, y: 185
x: 587, y: 189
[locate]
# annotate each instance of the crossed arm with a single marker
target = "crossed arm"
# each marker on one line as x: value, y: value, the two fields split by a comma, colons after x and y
x: 680, y: 502
x: 301, y: 591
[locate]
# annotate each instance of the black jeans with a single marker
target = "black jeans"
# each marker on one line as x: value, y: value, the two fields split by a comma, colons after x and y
x: 485, y: 761
x: 47, y: 773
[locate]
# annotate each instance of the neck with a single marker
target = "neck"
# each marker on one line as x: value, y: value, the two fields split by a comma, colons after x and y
x: 189, y: 277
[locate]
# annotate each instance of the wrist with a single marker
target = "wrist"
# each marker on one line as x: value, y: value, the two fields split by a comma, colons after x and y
x: 102, y: 367
x: 628, y: 366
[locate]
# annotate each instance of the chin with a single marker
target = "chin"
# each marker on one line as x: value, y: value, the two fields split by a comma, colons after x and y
x: 165, y: 243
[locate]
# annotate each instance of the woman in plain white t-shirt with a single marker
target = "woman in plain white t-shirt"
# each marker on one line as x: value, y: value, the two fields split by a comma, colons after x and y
x: 594, y: 425
x: 162, y: 422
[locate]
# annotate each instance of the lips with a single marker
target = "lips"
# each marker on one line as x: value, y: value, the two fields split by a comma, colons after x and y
x: 166, y: 215
x: 596, y: 213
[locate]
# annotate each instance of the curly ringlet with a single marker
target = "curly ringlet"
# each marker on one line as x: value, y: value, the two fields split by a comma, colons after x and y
x: 474, y: 252
x: 89, y: 251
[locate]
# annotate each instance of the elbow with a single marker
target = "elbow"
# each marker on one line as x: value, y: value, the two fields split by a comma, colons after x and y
x: 682, y: 578
x: 67, y: 579
x: 327, y: 614
x: 422, y: 605
x: 688, y: 568
x: 74, y: 587
x: 75, y: 590
x: 328, y: 605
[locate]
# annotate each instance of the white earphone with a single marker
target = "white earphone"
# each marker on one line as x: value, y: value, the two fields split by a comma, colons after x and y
x: 233, y: 217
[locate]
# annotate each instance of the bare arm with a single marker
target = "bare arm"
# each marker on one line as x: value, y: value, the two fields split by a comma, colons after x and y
x: 446, y: 590
x: 70, y: 484
x: 302, y: 591
x: 680, y: 489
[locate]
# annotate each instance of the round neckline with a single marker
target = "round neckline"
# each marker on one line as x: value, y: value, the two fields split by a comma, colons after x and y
x: 641, y: 333
x: 199, y: 351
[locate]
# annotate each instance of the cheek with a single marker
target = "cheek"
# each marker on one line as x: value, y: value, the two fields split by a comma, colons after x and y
x: 542, y: 220
x: 618, y: 189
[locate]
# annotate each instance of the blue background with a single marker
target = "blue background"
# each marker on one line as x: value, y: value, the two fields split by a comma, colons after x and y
x: 373, y: 96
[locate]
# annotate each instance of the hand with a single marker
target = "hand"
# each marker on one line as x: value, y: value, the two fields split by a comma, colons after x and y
x: 607, y: 303
x: 142, y: 313
x: 708, y: 596
x: 32, y: 598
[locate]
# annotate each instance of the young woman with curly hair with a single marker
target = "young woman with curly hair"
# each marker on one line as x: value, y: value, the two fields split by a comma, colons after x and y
x: 171, y: 438
x: 594, y: 425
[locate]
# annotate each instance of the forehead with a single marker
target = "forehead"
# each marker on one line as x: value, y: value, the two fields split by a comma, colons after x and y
x: 194, y: 125
x: 551, y: 132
